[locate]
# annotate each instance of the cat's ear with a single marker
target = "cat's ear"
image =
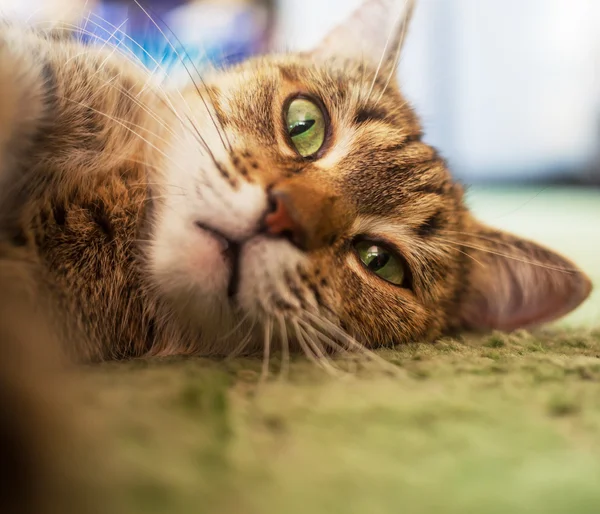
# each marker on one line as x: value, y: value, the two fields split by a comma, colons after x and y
x: 375, y: 33
x: 515, y: 283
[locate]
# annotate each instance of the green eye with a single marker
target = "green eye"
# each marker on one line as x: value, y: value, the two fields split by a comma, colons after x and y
x: 306, y: 126
x: 381, y: 261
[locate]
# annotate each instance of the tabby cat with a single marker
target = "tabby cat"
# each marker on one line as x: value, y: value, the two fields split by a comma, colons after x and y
x: 289, y: 201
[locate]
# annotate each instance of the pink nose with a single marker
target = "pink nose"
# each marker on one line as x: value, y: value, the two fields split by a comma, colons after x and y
x: 279, y: 222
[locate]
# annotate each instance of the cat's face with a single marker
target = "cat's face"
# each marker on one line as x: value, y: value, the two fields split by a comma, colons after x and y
x: 297, y: 191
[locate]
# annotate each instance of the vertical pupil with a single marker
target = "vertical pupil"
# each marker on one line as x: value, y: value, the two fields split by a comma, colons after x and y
x: 377, y: 259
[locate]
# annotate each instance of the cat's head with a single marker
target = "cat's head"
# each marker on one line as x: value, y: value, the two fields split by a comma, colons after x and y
x: 297, y: 192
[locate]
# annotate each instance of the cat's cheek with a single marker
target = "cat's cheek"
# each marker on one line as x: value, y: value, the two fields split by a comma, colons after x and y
x: 206, y: 265
x: 190, y: 259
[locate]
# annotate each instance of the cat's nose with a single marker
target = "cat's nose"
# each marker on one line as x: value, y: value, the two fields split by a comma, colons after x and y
x: 308, y: 216
x: 280, y: 220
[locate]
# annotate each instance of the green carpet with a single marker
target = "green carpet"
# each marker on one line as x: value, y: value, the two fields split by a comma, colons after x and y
x: 500, y: 424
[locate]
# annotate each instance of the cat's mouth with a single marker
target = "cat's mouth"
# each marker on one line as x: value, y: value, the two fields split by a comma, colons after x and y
x: 233, y: 256
x: 230, y: 250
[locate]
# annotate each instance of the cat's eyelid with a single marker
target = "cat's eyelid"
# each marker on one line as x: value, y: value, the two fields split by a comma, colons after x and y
x: 376, y: 229
x: 395, y: 236
x: 357, y: 266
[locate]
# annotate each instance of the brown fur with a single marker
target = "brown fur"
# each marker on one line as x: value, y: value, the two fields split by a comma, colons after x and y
x: 87, y: 190
x: 96, y: 170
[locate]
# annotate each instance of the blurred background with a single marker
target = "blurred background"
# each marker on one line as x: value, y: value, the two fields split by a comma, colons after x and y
x: 508, y: 90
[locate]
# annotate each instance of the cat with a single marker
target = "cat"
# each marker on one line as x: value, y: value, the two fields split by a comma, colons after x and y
x: 277, y: 195
x: 289, y: 201
x: 291, y: 196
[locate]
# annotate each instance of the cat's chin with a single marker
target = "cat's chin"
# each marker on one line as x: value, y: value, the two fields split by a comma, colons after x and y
x: 192, y: 267
x: 211, y: 287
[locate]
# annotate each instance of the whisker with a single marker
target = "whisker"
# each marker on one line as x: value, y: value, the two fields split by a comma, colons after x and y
x: 151, y: 57
x: 87, y: 18
x: 381, y: 61
x: 221, y: 132
x: 268, y: 327
x: 191, y: 120
x: 462, y: 252
x: 285, y: 348
x: 319, y: 352
x: 145, y: 140
x: 406, y: 17
x: 184, y: 65
x: 202, y: 141
x: 235, y: 328
x: 121, y: 89
x: 480, y: 236
x: 191, y: 125
x: 508, y: 256
x: 351, y: 343
x: 32, y: 15
x: 132, y: 124
x: 146, y: 109
x: 237, y: 351
x: 305, y: 348
x: 117, y: 29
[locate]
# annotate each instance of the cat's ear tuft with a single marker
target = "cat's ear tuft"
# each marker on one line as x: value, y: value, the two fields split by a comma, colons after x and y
x: 374, y: 33
x: 515, y: 283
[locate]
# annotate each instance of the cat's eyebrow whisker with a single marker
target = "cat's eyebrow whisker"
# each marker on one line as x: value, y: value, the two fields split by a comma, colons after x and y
x: 168, y: 41
x: 164, y: 99
x: 145, y: 108
x: 202, y: 141
x: 136, y: 60
x: 512, y: 257
x: 119, y: 122
x: 480, y: 236
x: 222, y: 133
x: 151, y: 57
x: 363, y: 82
x: 115, y: 47
x: 381, y: 61
x: 130, y: 123
x: 406, y: 17
x: 462, y: 252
